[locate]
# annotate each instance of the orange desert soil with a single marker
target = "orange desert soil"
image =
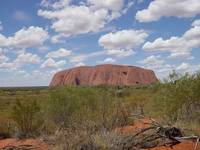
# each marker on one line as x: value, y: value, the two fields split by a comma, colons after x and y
x: 186, y: 145
x: 35, y: 144
x: 145, y: 123
x: 136, y: 126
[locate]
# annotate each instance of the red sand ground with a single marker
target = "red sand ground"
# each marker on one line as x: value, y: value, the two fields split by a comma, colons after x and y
x: 136, y: 126
x: 29, y: 142
x: 145, y: 123
x: 187, y: 145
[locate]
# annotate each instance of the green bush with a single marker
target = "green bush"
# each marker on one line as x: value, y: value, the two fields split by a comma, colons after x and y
x: 85, y: 107
x: 5, y: 127
x: 175, y: 98
x: 27, y: 117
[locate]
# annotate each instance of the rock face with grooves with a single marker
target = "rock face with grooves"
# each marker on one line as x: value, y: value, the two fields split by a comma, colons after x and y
x: 112, y: 75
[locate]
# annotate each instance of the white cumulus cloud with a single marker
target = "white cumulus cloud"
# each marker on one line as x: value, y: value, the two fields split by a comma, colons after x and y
x: 115, y: 5
x: 3, y: 58
x: 59, y: 53
x: 196, y: 23
x: 183, y: 67
x: 56, y: 5
x: 122, y: 43
x: 108, y: 60
x: 25, y: 38
x: 79, y: 64
x: 168, y: 8
x: 152, y: 60
x: 74, y: 20
x: 179, y: 47
x: 25, y: 58
x: 86, y: 17
x: 157, y: 64
x: 21, y: 60
x: 82, y: 57
x: 51, y: 63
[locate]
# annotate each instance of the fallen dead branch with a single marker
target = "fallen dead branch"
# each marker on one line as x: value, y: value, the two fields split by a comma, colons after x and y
x: 153, y: 136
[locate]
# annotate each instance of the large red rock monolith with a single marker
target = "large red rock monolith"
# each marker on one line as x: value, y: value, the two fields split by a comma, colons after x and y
x: 112, y: 75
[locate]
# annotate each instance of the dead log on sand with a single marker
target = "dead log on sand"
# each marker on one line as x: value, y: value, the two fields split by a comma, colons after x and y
x: 153, y: 136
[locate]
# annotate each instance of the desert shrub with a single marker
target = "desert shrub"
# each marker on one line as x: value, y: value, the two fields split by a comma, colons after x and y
x: 137, y: 100
x: 176, y: 98
x: 27, y: 117
x: 63, y: 103
x: 89, y: 109
x: 5, y: 127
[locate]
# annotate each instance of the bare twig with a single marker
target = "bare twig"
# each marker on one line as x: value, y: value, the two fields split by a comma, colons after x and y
x: 196, y: 144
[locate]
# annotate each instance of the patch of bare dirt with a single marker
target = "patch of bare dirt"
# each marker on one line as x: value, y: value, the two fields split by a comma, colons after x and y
x: 136, y: 126
x: 26, y: 144
x: 145, y: 123
x: 186, y: 145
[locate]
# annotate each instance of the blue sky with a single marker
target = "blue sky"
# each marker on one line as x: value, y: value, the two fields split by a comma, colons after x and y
x: 41, y: 37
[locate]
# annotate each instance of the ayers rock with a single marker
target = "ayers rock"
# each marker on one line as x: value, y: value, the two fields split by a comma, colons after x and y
x: 114, y: 75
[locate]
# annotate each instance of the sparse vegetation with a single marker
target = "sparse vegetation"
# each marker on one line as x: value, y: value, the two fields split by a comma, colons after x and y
x: 81, y: 117
x: 27, y: 117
